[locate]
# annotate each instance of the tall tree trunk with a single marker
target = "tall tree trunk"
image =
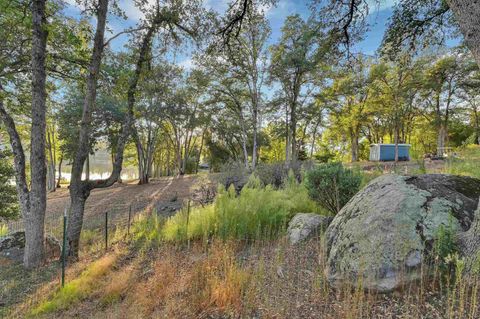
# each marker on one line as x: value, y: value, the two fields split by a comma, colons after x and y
x: 354, y: 146
x: 79, y: 190
x: 441, y: 138
x: 293, y: 132
x: 288, y: 137
x: 23, y: 193
x: 197, y: 162
x: 467, y: 15
x: 395, y: 137
x: 255, y: 133
x: 59, y: 171
x: 34, y: 221
x: 476, y: 121
x: 51, y: 183
x: 87, y: 167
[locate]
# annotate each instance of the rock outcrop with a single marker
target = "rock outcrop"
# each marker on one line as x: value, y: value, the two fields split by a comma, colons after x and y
x: 305, y: 226
x: 13, y: 245
x: 388, y: 230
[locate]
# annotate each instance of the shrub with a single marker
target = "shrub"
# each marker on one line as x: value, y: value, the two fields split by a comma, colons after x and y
x: 276, y: 174
x: 332, y: 185
x: 8, y: 195
x: 233, y: 173
x: 257, y: 212
x: 445, y: 245
x: 204, y: 190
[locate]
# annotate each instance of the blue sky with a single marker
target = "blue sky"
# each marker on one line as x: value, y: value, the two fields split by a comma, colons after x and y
x: 276, y: 15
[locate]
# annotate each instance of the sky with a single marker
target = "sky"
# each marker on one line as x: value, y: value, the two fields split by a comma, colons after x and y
x: 378, y: 18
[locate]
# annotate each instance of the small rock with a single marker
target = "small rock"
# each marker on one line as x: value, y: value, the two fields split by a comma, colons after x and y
x: 304, y: 226
x: 12, y: 247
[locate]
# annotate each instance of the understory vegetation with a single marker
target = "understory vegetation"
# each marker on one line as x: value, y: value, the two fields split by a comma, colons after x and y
x: 229, y: 259
x: 258, y: 212
x: 228, y: 278
x: 280, y: 112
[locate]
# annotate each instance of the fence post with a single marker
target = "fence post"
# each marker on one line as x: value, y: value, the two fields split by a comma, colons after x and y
x: 129, y: 219
x: 188, y: 219
x: 64, y: 248
x: 106, y: 230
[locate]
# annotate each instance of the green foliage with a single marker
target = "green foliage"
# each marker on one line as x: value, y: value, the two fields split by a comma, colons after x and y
x: 445, y: 245
x: 258, y: 212
x: 466, y: 163
x: 277, y: 174
x: 332, y: 185
x: 3, y: 230
x: 147, y: 228
x: 8, y: 195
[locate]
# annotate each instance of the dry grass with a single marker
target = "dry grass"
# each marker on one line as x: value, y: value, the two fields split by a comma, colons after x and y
x: 266, y: 279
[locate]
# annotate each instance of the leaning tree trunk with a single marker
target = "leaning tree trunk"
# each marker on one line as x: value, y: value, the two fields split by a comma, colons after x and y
x: 35, y: 218
x: 78, y: 190
x: 467, y: 15
x: 469, y: 243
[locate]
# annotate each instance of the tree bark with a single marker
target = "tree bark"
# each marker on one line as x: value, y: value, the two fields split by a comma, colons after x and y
x: 354, y: 146
x: 51, y: 185
x: 35, y: 218
x: 469, y: 242
x: 80, y: 190
x: 18, y: 159
x: 441, y: 138
x: 59, y: 172
x: 467, y: 15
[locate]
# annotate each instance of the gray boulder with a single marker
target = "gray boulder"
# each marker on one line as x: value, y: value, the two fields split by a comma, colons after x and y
x: 305, y: 226
x: 382, y: 236
x: 12, y: 247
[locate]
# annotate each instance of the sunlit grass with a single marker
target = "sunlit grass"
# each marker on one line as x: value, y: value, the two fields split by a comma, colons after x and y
x: 258, y: 212
x: 77, y: 289
x: 3, y: 230
x: 466, y: 163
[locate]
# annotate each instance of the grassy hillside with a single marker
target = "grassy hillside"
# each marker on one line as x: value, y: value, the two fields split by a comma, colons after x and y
x: 230, y: 259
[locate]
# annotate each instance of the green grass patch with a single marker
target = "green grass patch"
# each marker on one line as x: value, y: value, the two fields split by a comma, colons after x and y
x: 258, y: 212
x: 466, y: 163
x: 77, y: 289
x: 3, y: 230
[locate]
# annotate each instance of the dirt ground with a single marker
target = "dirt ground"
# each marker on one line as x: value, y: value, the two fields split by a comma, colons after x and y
x: 126, y: 194
x: 165, y: 196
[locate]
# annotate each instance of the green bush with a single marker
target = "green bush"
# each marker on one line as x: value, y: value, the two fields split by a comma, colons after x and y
x: 332, y: 185
x: 8, y: 195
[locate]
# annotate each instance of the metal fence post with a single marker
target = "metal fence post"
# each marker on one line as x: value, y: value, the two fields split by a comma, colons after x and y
x: 64, y: 248
x: 106, y: 230
x: 188, y: 219
x: 129, y: 219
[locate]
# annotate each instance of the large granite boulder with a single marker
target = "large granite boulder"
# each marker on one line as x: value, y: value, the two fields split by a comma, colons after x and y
x: 12, y: 247
x: 385, y: 232
x: 304, y: 226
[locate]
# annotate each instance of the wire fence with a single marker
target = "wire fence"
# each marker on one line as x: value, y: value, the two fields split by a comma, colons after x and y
x: 100, y: 231
x: 107, y: 220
